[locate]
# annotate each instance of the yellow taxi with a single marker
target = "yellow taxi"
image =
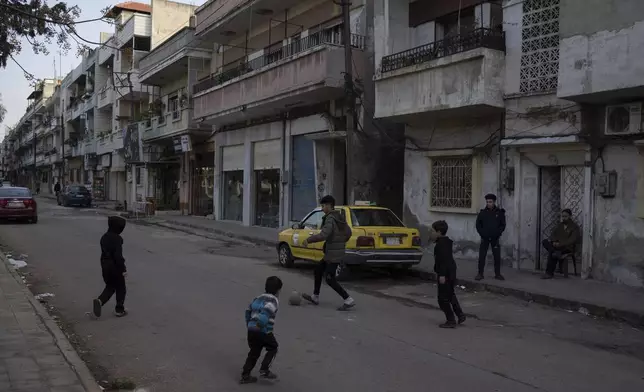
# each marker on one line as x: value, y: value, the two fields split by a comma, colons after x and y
x: 379, y: 239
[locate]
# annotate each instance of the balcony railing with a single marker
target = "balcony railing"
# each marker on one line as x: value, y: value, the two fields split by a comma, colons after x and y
x: 284, y: 52
x: 479, y: 38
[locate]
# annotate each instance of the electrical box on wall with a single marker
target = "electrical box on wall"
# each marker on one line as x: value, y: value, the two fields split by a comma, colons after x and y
x: 606, y: 184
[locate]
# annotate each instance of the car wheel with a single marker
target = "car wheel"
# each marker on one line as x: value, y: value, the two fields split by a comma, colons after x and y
x: 285, y: 256
x: 34, y: 220
x: 342, y: 272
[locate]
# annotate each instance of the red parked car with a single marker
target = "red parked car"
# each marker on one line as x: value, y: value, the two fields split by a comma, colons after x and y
x: 17, y: 203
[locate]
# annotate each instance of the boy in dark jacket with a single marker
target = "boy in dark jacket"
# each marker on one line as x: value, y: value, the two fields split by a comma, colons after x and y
x: 445, y: 269
x: 335, y: 233
x: 113, y: 267
x: 260, y: 320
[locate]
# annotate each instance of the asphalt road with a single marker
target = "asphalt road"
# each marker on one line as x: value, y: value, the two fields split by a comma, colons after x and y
x: 185, y: 332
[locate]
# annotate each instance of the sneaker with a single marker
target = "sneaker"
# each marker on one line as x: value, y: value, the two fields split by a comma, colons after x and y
x: 97, y: 308
x: 499, y: 277
x: 479, y: 277
x: 547, y: 276
x: 122, y: 313
x: 448, y: 325
x: 248, y: 379
x: 348, y: 304
x: 267, y: 375
x: 461, y: 319
x: 314, y: 299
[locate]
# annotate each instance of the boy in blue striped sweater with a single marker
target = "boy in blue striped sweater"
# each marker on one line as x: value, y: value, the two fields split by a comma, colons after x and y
x: 260, y: 320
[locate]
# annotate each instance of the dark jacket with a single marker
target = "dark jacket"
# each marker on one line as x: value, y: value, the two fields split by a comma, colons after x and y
x: 490, y: 223
x: 57, y: 187
x: 334, y: 232
x: 566, y: 234
x: 444, y: 264
x: 112, y: 246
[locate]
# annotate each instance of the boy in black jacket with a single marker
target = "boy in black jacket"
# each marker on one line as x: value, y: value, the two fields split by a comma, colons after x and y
x: 113, y: 267
x: 445, y: 269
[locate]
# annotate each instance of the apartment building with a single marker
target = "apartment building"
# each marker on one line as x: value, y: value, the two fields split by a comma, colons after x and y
x: 176, y: 148
x: 440, y: 72
x: 574, y: 131
x: 30, y: 142
x: 276, y: 100
x: 537, y: 101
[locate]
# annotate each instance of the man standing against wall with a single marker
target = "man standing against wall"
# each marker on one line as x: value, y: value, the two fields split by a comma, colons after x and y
x: 490, y: 224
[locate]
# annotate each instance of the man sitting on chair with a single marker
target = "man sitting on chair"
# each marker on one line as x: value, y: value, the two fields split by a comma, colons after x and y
x: 561, y: 243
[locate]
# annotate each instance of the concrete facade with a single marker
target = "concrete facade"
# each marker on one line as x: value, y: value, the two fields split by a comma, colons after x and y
x: 278, y: 110
x: 447, y: 92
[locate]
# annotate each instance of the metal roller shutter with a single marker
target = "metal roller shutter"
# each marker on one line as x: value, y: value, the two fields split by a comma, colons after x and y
x: 233, y: 158
x: 267, y: 154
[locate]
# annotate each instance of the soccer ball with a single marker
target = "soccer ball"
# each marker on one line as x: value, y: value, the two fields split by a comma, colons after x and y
x: 295, y: 299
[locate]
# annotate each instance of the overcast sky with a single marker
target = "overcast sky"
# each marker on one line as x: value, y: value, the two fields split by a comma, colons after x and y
x: 15, y: 88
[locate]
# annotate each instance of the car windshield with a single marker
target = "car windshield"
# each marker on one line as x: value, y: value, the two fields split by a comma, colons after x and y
x: 374, y: 217
x: 78, y: 189
x: 14, y: 192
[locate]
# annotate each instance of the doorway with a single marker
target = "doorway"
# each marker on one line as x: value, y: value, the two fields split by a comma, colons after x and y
x: 560, y: 187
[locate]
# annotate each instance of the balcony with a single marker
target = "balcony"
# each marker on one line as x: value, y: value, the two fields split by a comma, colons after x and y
x: 170, y: 58
x: 105, y: 97
x: 139, y: 25
x: 122, y: 86
x: 307, y: 71
x: 106, y: 52
x: 216, y: 19
x: 453, y: 76
x: 170, y: 125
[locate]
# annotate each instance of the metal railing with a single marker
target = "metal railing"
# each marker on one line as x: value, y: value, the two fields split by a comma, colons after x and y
x: 479, y: 38
x: 281, y: 53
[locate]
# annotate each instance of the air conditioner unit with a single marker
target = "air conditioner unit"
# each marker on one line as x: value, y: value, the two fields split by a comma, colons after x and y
x: 623, y: 119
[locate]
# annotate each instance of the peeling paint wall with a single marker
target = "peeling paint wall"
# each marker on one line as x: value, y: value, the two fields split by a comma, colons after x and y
x: 619, y: 232
x: 450, y: 134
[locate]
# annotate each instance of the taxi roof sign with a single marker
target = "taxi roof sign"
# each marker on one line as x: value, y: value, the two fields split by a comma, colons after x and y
x: 364, y: 203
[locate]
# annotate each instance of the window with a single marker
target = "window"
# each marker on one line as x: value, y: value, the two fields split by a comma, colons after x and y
x: 365, y: 217
x: 14, y: 192
x: 138, y: 176
x: 539, y: 46
x: 78, y: 189
x: 313, y: 221
x: 451, y: 182
x: 173, y: 104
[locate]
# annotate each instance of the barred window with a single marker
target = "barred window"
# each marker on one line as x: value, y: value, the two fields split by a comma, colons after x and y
x: 539, y: 46
x: 451, y: 182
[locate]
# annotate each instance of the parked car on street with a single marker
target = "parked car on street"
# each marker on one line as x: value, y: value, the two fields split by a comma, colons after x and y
x: 17, y: 203
x: 379, y: 239
x: 75, y: 195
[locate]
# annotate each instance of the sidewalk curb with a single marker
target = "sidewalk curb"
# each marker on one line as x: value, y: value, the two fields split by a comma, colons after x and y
x: 230, y: 234
x: 69, y: 352
x: 631, y: 318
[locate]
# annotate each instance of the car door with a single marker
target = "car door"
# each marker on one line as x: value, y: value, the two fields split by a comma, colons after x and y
x: 309, y: 226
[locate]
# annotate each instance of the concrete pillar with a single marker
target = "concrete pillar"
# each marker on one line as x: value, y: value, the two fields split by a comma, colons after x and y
x: 588, y: 219
x: 218, y: 184
x: 391, y: 28
x: 247, y: 217
x: 516, y: 217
